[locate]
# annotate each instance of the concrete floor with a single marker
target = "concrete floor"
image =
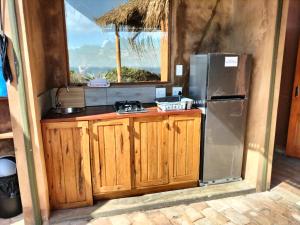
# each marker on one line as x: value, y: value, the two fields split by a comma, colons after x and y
x: 279, y: 206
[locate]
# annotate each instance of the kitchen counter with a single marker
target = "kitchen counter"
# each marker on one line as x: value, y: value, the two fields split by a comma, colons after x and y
x: 108, y: 112
x: 99, y: 154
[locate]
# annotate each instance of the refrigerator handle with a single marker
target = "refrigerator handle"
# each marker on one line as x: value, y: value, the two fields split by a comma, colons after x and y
x: 297, y: 91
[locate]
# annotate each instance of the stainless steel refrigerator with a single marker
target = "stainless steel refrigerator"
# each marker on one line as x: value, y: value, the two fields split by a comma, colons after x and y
x: 219, y: 84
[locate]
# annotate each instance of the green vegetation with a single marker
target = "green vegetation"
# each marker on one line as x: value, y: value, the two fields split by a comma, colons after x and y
x: 128, y: 75
x: 131, y: 75
x: 77, y: 78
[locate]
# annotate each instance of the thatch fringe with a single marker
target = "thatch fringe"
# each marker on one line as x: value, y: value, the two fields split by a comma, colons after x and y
x: 137, y: 14
x: 157, y: 11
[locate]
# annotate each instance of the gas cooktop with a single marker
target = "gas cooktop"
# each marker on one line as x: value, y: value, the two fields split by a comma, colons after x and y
x: 125, y: 107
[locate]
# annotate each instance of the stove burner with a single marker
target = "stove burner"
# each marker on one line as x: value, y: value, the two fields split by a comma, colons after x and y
x: 124, y: 107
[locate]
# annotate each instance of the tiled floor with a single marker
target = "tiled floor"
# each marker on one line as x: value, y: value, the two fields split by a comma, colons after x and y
x: 279, y: 206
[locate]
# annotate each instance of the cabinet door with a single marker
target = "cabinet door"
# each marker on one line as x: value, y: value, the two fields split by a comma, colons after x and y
x: 184, y: 148
x: 66, y: 147
x: 111, y: 160
x: 151, y: 151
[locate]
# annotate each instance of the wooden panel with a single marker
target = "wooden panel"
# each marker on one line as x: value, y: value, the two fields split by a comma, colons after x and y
x: 293, y: 143
x: 54, y: 42
x: 111, y: 162
x: 6, y: 146
x: 72, y: 98
x: 151, y: 151
x: 5, y: 124
x: 184, y: 148
x: 68, y: 164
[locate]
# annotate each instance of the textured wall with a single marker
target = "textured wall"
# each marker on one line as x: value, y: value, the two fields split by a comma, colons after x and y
x: 48, y: 51
x: 254, y: 25
x: 54, y: 36
x: 37, y: 51
x: 198, y: 26
x: 246, y: 26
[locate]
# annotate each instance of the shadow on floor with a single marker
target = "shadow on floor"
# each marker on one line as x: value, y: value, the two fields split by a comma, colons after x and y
x: 285, y: 170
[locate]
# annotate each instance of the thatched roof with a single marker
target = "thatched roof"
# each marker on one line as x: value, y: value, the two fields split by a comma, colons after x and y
x: 137, y: 14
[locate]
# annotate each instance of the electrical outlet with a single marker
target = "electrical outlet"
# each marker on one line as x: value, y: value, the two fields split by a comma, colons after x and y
x: 176, y: 90
x: 179, y: 70
x: 160, y: 92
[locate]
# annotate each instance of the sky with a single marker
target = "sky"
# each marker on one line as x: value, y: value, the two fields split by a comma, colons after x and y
x: 90, y: 45
x: 81, y: 27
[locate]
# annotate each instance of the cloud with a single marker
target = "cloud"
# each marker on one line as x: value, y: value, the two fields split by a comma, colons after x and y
x: 104, y: 43
x: 77, y: 22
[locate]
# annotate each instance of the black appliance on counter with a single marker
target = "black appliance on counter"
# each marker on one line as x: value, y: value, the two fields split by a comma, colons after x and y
x: 219, y: 83
x: 126, y: 107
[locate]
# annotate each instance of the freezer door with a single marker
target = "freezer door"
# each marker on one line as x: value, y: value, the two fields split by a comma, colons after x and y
x: 228, y: 75
x: 198, y: 76
x: 224, y: 140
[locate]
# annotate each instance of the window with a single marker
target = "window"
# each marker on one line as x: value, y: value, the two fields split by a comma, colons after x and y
x: 117, y: 40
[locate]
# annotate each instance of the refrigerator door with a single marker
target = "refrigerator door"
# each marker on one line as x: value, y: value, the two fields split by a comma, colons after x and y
x: 224, y: 140
x: 228, y: 75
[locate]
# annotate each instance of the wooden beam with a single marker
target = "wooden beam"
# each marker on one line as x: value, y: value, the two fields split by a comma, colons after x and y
x: 8, y: 135
x: 25, y: 122
x: 31, y: 28
x: 164, y: 51
x: 18, y: 132
x: 277, y: 81
x: 15, y: 60
x: 118, y: 54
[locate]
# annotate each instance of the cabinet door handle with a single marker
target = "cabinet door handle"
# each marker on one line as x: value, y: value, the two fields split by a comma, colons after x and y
x: 297, y: 91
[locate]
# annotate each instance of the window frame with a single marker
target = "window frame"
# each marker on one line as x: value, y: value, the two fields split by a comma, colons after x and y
x: 162, y: 83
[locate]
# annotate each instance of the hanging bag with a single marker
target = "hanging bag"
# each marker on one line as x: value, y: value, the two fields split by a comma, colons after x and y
x: 7, y: 74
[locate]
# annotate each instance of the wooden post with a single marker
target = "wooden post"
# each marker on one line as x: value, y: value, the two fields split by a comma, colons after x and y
x: 19, y: 119
x: 164, y: 51
x: 280, y: 37
x: 118, y: 53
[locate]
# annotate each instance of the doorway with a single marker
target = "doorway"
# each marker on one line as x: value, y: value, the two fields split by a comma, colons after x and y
x: 286, y: 166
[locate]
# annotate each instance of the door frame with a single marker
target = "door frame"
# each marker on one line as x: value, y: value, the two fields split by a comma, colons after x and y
x: 277, y: 62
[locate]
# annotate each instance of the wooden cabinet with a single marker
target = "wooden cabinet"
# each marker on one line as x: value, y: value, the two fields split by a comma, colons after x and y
x: 151, y: 151
x: 184, y: 146
x: 111, y: 161
x: 120, y: 157
x: 66, y: 147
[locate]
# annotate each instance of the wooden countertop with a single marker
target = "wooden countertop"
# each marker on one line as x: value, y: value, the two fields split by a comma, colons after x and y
x: 108, y: 112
